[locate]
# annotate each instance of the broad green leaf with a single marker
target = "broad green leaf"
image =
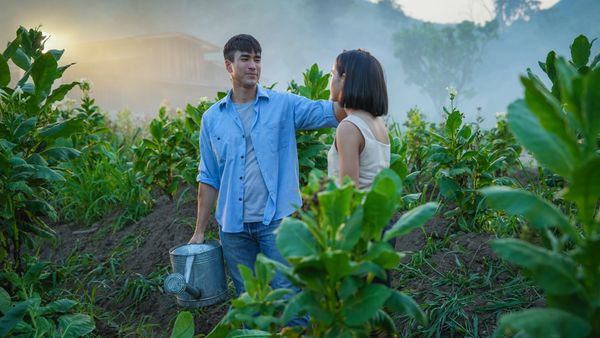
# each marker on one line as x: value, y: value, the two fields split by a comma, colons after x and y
x: 549, y: 114
x: 337, y: 264
x: 25, y: 127
x: 60, y: 153
x: 404, y: 304
x: 315, y: 309
x: 184, y: 325
x: 383, y: 254
x: 59, y: 93
x: 584, y: 190
x: 156, y: 129
x: 246, y: 333
x: 75, y: 325
x: 335, y: 206
x: 382, y: 320
x: 21, y: 59
x: 368, y: 300
x: 57, y: 53
x: 580, y: 51
x: 11, y: 48
x: 61, y: 129
x: 398, y: 165
x: 47, y: 174
x: 448, y: 187
x: 5, y: 301
x: 348, y: 288
x: 453, y: 121
x: 540, y: 213
x: 382, y: 201
x: 349, y: 234
x: 58, y: 306
x: 554, y: 272
x: 250, y: 283
x: 293, y: 307
x: 570, y: 91
x: 410, y: 220
x: 543, y: 323
x: 591, y: 107
x: 33, y: 273
x: 4, y: 72
x: 294, y: 240
x: 14, y: 316
x: 43, y: 74
x: 547, y: 149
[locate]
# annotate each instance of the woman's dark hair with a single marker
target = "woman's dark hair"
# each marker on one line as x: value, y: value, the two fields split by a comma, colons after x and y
x: 243, y: 43
x: 364, y: 85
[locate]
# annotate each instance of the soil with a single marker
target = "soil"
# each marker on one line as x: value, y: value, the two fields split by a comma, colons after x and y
x: 167, y: 226
x: 171, y: 223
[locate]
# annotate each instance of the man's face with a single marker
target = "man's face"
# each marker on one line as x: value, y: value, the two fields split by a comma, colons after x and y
x: 245, y: 69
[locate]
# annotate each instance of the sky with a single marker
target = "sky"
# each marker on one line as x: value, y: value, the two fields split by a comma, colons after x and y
x: 453, y: 11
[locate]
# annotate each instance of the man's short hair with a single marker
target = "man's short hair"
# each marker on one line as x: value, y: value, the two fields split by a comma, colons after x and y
x: 243, y: 43
x: 364, y: 85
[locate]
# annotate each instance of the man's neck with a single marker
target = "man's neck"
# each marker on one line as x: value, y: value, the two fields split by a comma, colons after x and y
x: 242, y: 95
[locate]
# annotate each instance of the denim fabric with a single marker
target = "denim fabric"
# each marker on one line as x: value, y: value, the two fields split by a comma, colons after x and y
x: 242, y: 248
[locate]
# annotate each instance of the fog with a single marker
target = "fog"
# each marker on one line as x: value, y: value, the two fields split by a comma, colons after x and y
x: 294, y: 34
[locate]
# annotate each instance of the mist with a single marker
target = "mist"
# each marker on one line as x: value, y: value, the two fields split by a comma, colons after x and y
x: 294, y: 35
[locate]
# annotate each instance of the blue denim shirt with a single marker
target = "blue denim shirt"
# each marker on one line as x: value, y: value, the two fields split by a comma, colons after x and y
x: 223, y: 150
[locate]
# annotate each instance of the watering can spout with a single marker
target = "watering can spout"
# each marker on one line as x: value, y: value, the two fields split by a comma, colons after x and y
x: 175, y: 284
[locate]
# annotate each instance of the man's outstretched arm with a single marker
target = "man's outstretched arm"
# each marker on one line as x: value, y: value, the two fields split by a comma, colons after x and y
x: 207, y: 195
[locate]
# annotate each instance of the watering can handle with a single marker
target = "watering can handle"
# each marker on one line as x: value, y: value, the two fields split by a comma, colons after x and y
x: 189, y: 260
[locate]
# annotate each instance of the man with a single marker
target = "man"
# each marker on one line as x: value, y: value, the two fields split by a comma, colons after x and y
x: 249, y: 160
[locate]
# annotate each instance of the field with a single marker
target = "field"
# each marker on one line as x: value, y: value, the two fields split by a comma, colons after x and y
x: 497, y: 231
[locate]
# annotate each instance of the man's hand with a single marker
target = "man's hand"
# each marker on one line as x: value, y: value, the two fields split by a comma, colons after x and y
x: 197, y: 238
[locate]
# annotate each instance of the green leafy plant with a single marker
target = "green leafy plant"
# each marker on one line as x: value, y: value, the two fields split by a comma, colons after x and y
x: 560, y: 127
x: 336, y: 250
x: 461, y: 163
x: 169, y: 157
x: 184, y: 325
x: 30, y: 149
x: 28, y: 317
x: 312, y: 144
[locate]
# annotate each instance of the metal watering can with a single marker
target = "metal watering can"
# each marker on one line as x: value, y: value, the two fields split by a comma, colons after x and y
x: 198, y: 277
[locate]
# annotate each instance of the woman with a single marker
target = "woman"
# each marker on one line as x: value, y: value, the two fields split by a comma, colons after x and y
x: 361, y: 147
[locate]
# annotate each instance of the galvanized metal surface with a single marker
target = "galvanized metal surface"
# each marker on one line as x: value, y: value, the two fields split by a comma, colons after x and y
x: 203, y: 268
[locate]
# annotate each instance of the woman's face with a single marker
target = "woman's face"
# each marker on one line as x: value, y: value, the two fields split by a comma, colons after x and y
x: 337, y: 84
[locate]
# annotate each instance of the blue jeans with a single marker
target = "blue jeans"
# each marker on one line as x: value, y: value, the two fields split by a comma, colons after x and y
x: 242, y: 248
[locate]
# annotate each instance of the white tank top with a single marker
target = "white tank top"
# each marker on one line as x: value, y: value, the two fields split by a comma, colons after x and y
x: 374, y: 157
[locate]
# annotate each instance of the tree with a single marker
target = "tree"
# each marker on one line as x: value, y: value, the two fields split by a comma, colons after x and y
x: 509, y: 11
x: 436, y: 57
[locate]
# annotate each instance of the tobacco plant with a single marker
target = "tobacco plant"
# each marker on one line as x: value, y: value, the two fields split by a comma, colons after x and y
x: 30, y: 141
x: 312, y: 144
x: 337, y: 250
x: 560, y: 127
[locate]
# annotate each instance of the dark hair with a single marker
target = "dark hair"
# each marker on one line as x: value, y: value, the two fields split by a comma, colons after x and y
x: 364, y: 85
x: 243, y: 43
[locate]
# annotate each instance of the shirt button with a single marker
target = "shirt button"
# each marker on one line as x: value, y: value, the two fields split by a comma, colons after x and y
x: 241, y: 177
x: 239, y: 199
x: 242, y: 156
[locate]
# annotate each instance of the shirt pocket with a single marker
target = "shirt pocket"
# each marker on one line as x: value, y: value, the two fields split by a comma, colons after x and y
x: 221, y: 145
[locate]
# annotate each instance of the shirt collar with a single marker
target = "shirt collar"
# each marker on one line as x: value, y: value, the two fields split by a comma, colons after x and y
x: 260, y: 93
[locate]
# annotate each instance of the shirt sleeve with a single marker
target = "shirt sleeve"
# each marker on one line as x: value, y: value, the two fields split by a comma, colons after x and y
x: 208, y: 170
x: 310, y: 114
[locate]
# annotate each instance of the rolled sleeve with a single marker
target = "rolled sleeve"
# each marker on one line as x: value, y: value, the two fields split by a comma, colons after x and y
x: 310, y: 114
x: 208, y: 170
